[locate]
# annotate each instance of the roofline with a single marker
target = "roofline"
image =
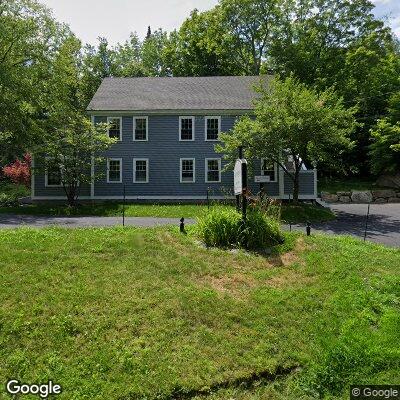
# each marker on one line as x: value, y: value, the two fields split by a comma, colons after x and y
x: 172, y: 112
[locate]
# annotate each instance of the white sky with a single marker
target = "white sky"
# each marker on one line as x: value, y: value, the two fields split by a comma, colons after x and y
x: 115, y: 19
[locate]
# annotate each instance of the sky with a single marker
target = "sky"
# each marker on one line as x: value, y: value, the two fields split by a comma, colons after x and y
x: 115, y: 19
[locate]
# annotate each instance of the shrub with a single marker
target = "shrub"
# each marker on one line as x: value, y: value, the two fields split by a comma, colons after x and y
x: 19, y: 171
x: 260, y: 230
x: 220, y: 227
x: 8, y: 200
x: 223, y: 227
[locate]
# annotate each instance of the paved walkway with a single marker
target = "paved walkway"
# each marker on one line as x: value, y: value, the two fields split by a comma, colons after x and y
x: 383, y: 224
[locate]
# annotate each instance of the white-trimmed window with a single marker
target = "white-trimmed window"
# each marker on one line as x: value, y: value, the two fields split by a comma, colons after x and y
x: 140, y: 170
x: 213, y: 170
x: 140, y: 129
x: 212, y: 128
x: 53, y: 176
x: 187, y: 170
x: 114, y: 170
x: 186, y: 129
x: 270, y: 169
x: 115, y: 127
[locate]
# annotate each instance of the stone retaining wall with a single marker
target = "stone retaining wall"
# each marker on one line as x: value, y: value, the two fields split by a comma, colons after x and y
x: 363, y: 196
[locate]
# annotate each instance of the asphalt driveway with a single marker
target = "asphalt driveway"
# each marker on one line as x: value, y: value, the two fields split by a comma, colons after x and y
x: 40, y: 221
x: 383, y: 222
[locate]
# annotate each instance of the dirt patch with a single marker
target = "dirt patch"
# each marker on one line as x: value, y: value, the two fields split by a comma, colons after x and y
x: 291, y: 257
x: 237, y: 285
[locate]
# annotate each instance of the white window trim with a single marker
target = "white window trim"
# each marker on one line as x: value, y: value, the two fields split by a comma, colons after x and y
x: 120, y: 127
x: 46, y: 179
x: 134, y: 170
x: 205, y: 128
x: 134, y: 129
x: 180, y: 128
x: 275, y: 171
x: 194, y: 170
x: 206, y: 169
x: 108, y: 169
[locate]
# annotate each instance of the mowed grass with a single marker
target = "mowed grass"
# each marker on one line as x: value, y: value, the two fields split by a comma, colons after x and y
x: 151, y: 314
x: 289, y: 213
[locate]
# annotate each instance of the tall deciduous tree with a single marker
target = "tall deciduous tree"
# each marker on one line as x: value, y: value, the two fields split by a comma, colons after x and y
x: 71, y: 140
x: 292, y: 120
x: 201, y: 47
x: 29, y: 38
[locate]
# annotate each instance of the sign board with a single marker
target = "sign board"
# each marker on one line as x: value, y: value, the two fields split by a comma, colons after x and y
x: 262, y: 178
x: 238, y: 176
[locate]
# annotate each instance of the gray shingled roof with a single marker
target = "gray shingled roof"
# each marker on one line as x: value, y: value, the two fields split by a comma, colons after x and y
x: 193, y: 93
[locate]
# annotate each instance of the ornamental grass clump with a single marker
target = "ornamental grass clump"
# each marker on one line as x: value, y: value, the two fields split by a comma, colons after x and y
x: 224, y: 227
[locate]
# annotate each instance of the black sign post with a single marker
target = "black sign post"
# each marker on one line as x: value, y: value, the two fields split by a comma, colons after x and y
x: 241, y: 187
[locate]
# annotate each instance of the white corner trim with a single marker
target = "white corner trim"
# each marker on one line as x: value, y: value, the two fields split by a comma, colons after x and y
x: 92, y: 168
x: 194, y: 170
x: 281, y: 174
x: 120, y: 127
x: 206, y: 169
x: 32, y: 176
x: 108, y: 169
x: 134, y: 170
x: 134, y: 128
x: 315, y: 182
x: 193, y: 128
x: 205, y: 128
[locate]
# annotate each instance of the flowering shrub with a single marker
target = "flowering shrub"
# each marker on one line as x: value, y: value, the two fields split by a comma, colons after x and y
x: 19, y: 171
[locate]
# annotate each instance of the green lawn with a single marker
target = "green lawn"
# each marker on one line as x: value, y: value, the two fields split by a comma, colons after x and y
x: 290, y: 213
x: 151, y: 314
x: 346, y: 185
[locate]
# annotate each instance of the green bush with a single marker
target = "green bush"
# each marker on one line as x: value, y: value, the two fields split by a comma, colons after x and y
x: 220, y: 227
x: 223, y: 227
x: 8, y: 200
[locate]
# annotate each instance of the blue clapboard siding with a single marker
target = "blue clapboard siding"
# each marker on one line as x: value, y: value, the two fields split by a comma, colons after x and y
x: 42, y: 191
x: 306, y: 183
x: 164, y: 150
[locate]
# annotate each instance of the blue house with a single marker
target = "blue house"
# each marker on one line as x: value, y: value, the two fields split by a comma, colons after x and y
x: 166, y: 130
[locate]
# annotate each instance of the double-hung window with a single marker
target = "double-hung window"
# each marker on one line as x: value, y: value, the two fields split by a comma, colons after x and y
x: 114, y: 170
x: 269, y: 168
x: 140, y: 170
x: 213, y: 128
x: 213, y: 170
x: 53, y: 176
x: 140, y: 129
x: 187, y: 170
x: 186, y: 128
x: 115, y: 127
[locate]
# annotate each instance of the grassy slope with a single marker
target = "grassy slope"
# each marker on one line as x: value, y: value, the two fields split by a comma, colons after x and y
x: 112, y: 313
x: 290, y: 213
x: 346, y: 185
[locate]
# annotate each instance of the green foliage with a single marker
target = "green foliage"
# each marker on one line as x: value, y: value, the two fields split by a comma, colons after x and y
x: 10, y: 193
x: 365, y: 346
x: 385, y: 157
x: 29, y: 40
x: 222, y: 227
x: 71, y: 148
x: 201, y: 47
x: 292, y: 120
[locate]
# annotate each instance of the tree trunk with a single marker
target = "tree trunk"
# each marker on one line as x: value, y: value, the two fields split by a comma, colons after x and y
x: 296, y: 187
x: 70, y: 192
